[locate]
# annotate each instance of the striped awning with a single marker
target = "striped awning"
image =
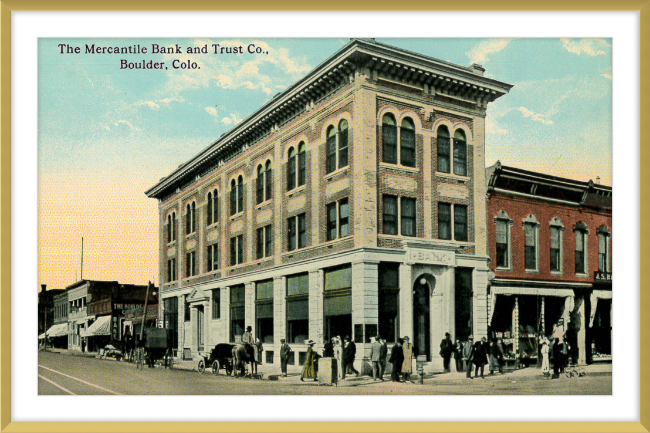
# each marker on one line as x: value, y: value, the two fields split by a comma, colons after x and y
x: 510, y: 291
x: 101, y: 326
x: 56, y: 331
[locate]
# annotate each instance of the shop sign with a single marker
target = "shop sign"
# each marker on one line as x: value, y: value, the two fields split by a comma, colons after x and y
x: 431, y: 257
x: 127, y: 307
x: 115, y: 328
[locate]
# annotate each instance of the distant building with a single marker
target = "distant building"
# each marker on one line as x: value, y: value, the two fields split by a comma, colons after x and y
x: 351, y: 204
x: 551, y: 255
x: 46, y: 311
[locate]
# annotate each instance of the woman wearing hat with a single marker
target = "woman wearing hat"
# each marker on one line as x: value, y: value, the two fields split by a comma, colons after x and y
x: 309, y: 370
x: 407, y: 367
x: 545, y: 364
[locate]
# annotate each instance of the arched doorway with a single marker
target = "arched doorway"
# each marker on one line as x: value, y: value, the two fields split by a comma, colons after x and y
x: 422, y: 317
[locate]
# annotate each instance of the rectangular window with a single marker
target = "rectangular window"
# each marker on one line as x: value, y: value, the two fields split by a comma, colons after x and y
x: 237, y: 250
x: 389, y: 135
x: 293, y: 233
x: 460, y: 223
x: 344, y: 217
x: 331, y: 153
x: 407, y: 147
x: 463, y: 303
x: 602, y: 253
x: 390, y: 214
x: 443, y: 155
x: 298, y: 284
x: 216, y: 304
x: 264, y: 310
x: 408, y: 216
x: 331, y: 221
x: 190, y: 264
x: 530, y: 247
x: 298, y: 308
x: 260, y: 243
x: 268, y: 241
x: 213, y: 257
x: 302, y: 231
x: 460, y: 157
x: 171, y: 270
x: 580, y: 252
x: 237, y: 312
x: 388, y: 308
x: 187, y: 308
x: 240, y: 249
x: 555, y: 249
x: 502, y: 244
x: 444, y: 221
x: 170, y: 318
x: 338, y: 278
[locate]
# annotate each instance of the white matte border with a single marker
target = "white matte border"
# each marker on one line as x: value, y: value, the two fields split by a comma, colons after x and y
x: 26, y: 27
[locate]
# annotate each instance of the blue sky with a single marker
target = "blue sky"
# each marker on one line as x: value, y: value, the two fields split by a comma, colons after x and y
x: 106, y: 135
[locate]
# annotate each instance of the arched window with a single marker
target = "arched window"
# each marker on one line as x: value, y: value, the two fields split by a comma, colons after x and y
x: 190, y: 218
x: 604, y: 236
x: 291, y: 170
x: 233, y: 197
x: 209, y: 203
x: 407, y: 143
x: 268, y: 179
x: 331, y: 149
x: 173, y: 226
x: 302, y: 164
x: 557, y: 242
x: 193, y: 216
x: 169, y: 228
x: 240, y: 194
x: 444, y: 165
x: 260, y: 184
x: 460, y: 153
x: 531, y: 243
x: 343, y: 143
x: 213, y: 207
x: 389, y: 139
x: 581, y: 232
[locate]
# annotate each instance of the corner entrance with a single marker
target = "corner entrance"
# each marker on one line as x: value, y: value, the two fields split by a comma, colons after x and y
x: 422, y: 318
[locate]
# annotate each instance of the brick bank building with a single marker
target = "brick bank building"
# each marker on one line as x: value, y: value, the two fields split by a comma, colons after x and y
x: 353, y: 203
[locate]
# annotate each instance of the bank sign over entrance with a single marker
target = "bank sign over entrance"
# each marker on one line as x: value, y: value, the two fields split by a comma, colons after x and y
x: 432, y: 257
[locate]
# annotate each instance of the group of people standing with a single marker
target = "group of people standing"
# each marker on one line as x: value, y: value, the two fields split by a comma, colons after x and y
x: 401, y: 357
x: 560, y: 352
x: 343, y: 350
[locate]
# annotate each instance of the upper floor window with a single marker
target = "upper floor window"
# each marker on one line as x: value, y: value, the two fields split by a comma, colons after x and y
x: 531, y: 241
x: 389, y: 139
x: 407, y: 215
x: 557, y: 230
x: 190, y: 264
x: 171, y: 227
x: 297, y: 228
x: 190, y: 218
x: 503, y: 224
x: 265, y: 241
x: 337, y: 152
x: 390, y: 214
x: 264, y: 182
x: 213, y: 257
x: 296, y: 169
x: 581, y: 232
x: 444, y: 150
x: 187, y: 308
x: 237, y: 195
x: 338, y: 219
x: 213, y: 207
x: 405, y: 208
x: 237, y: 250
x: 604, y: 236
x: 460, y: 153
x: 171, y: 270
x: 216, y: 304
x: 460, y: 223
x: 407, y: 143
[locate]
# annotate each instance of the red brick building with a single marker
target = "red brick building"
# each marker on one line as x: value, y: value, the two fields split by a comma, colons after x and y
x: 549, y: 240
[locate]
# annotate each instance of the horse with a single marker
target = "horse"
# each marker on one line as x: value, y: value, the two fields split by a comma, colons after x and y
x: 240, y: 356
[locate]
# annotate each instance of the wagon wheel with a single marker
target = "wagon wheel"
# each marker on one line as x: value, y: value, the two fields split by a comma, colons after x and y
x: 215, y: 367
x: 228, y: 369
x: 201, y: 366
x: 169, y: 360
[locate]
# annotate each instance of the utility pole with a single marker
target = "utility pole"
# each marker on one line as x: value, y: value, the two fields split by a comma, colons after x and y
x: 82, y: 258
x: 44, y: 297
x: 144, y: 315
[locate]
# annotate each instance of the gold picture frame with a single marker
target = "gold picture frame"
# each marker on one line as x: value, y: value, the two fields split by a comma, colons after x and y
x: 642, y: 7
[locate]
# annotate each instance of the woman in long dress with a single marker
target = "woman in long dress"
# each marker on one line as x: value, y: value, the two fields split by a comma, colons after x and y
x: 338, y: 354
x: 309, y: 370
x: 545, y: 364
x: 407, y: 366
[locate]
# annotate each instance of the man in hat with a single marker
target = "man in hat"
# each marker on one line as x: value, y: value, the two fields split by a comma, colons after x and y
x: 480, y: 356
x: 285, y: 350
x: 247, y: 339
x: 467, y: 355
x: 375, y: 358
x: 446, y: 349
x: 383, y: 354
x: 349, y: 352
x: 397, y: 359
x: 407, y: 367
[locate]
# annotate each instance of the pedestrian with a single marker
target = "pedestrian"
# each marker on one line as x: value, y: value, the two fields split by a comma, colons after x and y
x: 458, y: 356
x: 467, y: 355
x: 407, y: 367
x: 309, y: 369
x: 375, y: 358
x: 556, y: 358
x: 285, y: 350
x: 328, y: 348
x: 383, y: 356
x: 338, y: 354
x: 496, y: 357
x: 544, y: 351
x: 397, y: 359
x: 480, y: 356
x: 248, y: 341
x: 83, y: 345
x: 257, y: 354
x: 564, y: 355
x: 349, y: 352
x: 446, y: 348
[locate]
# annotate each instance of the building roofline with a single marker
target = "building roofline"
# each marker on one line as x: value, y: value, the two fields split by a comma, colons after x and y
x: 341, y: 62
x: 498, y: 169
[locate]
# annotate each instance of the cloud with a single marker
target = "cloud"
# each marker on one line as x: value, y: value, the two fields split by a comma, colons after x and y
x: 232, y: 120
x: 492, y: 128
x: 150, y: 104
x: 155, y: 105
x: 211, y: 111
x: 534, y: 116
x: 127, y: 123
x: 590, y: 47
x: 479, y: 54
x: 608, y: 76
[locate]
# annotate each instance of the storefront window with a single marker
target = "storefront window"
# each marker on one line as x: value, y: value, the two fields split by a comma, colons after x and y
x: 388, y: 301
x: 264, y: 310
x: 298, y: 308
x: 463, y: 303
x: 170, y: 317
x: 337, y: 302
x: 237, y: 312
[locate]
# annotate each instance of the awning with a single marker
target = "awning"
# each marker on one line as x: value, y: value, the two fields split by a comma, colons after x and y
x: 56, y: 331
x: 532, y: 291
x: 594, y: 297
x: 101, y: 326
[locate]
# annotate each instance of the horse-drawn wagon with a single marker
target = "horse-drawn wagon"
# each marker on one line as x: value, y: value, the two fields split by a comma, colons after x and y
x: 155, y: 347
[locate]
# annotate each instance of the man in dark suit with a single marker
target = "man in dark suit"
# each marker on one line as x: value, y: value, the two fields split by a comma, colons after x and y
x: 397, y: 359
x: 383, y: 354
x: 284, y: 356
x: 480, y: 356
x: 375, y: 359
x: 446, y: 349
x: 349, y: 352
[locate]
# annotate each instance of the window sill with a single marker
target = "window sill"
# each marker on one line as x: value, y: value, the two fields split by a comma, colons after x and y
x: 264, y: 204
x: 193, y: 277
x: 557, y: 273
x: 453, y: 176
x: 236, y: 216
x: 397, y: 237
x: 213, y: 226
x: 532, y: 271
x: 335, y: 172
x: 582, y: 275
x: 503, y: 269
x: 399, y: 167
x: 262, y: 260
x: 171, y: 244
x: 296, y: 190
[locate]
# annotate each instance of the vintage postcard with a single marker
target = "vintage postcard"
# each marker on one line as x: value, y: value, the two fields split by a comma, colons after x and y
x: 325, y: 216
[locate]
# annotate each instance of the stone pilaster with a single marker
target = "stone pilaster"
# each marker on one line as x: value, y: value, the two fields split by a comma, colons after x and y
x: 480, y: 305
x: 279, y: 315
x: 581, y: 325
x: 181, y: 324
x: 365, y: 299
x: 480, y: 187
x: 405, y: 301
x: 249, y: 308
x: 194, y: 314
x: 316, y: 284
x: 225, y: 312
